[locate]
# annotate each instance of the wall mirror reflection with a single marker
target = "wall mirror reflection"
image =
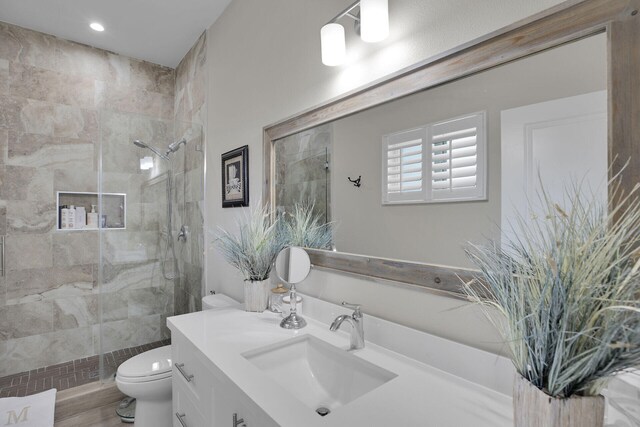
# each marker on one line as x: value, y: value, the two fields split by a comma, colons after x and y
x: 452, y: 164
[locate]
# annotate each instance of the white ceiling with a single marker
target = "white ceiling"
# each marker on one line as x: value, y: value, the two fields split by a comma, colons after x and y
x: 158, y: 31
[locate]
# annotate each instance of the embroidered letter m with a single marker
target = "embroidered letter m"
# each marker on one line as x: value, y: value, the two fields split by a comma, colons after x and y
x: 13, y: 418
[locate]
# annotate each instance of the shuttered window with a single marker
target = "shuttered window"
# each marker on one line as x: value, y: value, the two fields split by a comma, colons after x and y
x: 455, y: 154
x: 403, y: 164
x: 439, y: 162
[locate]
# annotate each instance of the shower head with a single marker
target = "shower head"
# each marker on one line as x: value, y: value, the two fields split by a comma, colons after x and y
x: 141, y: 144
x: 175, y: 146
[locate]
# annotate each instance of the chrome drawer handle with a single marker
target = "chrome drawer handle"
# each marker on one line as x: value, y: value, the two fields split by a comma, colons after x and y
x: 180, y: 417
x: 186, y: 376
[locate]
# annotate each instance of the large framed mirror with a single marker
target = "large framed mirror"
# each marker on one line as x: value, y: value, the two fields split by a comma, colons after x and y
x: 449, y: 150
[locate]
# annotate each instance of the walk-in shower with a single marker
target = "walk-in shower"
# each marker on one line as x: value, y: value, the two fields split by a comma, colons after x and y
x: 172, y: 148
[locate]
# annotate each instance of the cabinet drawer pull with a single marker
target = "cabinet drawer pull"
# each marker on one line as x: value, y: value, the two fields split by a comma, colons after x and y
x: 180, y: 417
x: 186, y: 376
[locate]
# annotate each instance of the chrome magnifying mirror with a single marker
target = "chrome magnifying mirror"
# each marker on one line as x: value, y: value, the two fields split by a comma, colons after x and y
x: 292, y: 267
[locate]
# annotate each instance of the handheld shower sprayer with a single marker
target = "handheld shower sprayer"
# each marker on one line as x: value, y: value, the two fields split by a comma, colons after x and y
x: 173, y: 147
x: 141, y: 144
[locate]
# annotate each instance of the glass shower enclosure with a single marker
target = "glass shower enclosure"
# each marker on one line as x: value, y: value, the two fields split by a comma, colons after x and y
x: 150, y: 240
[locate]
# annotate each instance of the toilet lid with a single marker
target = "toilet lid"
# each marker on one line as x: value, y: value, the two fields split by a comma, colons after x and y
x: 218, y: 301
x: 152, y: 364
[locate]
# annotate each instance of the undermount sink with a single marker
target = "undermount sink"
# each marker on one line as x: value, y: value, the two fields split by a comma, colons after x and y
x: 317, y: 373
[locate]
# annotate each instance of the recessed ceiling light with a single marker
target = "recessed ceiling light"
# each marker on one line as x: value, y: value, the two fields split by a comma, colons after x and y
x: 96, y: 27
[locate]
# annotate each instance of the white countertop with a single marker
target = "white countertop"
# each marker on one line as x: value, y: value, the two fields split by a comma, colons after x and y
x: 420, y: 395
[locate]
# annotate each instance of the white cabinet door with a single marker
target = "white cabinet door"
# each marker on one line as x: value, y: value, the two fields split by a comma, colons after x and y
x: 185, y: 408
x: 204, y: 397
x: 190, y: 369
x: 228, y: 400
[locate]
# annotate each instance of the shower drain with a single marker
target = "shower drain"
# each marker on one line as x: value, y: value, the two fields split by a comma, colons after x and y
x: 322, y: 411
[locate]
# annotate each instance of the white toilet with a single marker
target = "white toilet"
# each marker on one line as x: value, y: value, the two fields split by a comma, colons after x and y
x: 147, y: 376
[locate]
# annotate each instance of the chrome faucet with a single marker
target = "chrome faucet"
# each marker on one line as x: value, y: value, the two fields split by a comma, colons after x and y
x: 356, y: 321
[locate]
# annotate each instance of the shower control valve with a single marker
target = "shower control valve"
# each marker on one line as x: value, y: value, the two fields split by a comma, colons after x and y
x: 183, y: 234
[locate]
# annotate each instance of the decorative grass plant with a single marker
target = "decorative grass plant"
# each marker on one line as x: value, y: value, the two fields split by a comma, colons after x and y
x: 259, y: 239
x: 305, y: 229
x: 254, y: 249
x: 565, y: 293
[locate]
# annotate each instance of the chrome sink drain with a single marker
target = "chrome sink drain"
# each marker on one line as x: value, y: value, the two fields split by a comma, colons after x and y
x: 322, y: 411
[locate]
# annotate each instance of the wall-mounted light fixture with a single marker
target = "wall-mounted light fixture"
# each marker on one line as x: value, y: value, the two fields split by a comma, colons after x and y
x: 96, y: 26
x: 371, y: 23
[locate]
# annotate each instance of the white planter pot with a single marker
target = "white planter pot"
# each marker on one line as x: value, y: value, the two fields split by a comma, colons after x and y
x: 534, y: 408
x: 256, y: 296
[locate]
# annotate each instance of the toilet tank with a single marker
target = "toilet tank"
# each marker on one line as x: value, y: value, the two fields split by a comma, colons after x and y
x: 218, y: 301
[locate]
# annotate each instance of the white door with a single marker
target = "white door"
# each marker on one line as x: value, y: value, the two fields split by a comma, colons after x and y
x: 558, y: 143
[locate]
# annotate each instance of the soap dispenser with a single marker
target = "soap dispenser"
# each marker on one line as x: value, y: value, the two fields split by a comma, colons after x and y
x: 92, y: 218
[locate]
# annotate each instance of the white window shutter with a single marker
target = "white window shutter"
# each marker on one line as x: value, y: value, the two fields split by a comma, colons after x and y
x: 439, y: 162
x: 457, y: 164
x: 403, y: 159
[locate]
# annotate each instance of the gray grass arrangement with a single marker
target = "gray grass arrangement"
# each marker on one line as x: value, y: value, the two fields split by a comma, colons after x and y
x: 303, y: 228
x: 565, y: 293
x: 254, y: 249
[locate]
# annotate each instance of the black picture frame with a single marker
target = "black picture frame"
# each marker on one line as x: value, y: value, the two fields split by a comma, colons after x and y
x: 235, y: 178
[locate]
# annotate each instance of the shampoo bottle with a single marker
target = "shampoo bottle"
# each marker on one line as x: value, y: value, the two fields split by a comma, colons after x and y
x: 71, y: 217
x: 81, y: 217
x: 64, y: 217
x: 92, y: 218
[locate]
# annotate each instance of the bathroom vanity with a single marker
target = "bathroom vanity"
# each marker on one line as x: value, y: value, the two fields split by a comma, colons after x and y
x: 234, y: 368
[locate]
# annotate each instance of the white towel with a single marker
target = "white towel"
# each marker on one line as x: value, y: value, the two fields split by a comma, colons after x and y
x: 36, y: 410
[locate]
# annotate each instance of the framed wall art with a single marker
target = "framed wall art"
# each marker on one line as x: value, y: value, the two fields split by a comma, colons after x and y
x: 235, y: 178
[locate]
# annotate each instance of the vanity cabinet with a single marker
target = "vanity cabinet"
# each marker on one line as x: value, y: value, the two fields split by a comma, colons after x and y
x: 239, y: 364
x: 204, y: 397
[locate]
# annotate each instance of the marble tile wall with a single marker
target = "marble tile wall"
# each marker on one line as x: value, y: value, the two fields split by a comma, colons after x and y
x: 301, y: 175
x: 62, y: 105
x: 190, y: 110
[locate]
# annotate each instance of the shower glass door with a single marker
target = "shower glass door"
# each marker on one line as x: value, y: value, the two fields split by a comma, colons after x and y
x: 143, y: 203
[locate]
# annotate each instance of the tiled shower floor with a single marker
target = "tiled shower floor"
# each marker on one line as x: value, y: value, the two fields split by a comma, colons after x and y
x: 69, y: 374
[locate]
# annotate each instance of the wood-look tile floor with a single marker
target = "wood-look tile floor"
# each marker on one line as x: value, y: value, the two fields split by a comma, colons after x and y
x: 64, y: 376
x: 104, y: 416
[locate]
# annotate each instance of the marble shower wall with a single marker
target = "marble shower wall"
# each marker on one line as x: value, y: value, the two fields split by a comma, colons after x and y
x: 301, y: 170
x: 190, y: 109
x: 57, y: 100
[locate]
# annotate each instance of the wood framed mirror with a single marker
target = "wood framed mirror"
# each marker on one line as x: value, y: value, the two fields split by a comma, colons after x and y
x: 617, y: 23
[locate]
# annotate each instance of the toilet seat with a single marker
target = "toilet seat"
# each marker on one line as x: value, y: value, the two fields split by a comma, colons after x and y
x: 151, y: 365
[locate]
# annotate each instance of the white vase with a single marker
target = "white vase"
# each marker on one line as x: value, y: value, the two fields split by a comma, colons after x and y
x: 534, y: 408
x: 256, y: 295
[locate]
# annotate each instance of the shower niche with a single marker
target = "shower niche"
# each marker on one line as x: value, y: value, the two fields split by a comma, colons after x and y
x: 111, y: 215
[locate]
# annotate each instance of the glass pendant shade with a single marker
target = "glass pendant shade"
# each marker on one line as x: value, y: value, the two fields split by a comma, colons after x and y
x: 333, y: 44
x: 374, y: 20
